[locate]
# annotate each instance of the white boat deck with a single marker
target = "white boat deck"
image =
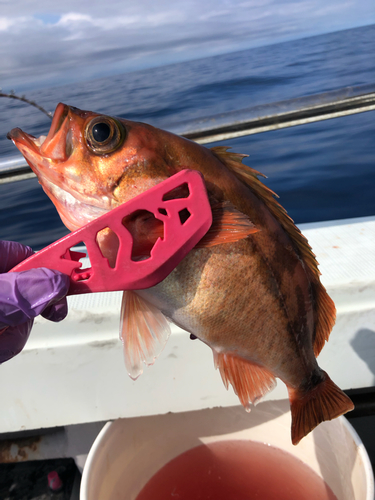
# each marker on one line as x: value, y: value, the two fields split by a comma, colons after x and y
x: 73, y: 372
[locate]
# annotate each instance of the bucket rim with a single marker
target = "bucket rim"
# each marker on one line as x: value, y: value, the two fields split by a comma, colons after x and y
x: 111, y: 426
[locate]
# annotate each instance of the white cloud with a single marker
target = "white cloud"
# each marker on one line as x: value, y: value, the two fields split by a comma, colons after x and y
x: 74, y: 20
x: 67, y: 20
x: 5, y: 23
x: 48, y: 41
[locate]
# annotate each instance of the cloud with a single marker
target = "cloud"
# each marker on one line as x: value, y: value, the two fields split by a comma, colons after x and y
x: 12, y: 23
x: 64, y: 41
x: 5, y: 23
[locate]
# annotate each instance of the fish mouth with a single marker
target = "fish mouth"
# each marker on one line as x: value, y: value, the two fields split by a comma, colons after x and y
x: 44, y: 155
x: 42, y: 152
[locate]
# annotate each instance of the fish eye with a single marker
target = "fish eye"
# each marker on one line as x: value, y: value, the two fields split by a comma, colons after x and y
x: 101, y: 132
x: 104, y: 134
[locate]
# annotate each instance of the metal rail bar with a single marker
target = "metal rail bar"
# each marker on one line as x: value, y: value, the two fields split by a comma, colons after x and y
x: 285, y: 120
x: 255, y: 120
x: 299, y: 111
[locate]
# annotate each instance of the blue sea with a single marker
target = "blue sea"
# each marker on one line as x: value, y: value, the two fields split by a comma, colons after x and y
x: 321, y: 171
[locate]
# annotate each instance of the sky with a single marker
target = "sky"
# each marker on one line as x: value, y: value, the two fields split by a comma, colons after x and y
x: 51, y: 42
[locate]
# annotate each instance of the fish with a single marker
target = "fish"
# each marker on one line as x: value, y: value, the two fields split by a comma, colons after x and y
x: 250, y: 289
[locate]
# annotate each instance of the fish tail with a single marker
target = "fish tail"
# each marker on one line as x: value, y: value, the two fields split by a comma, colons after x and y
x: 323, y: 402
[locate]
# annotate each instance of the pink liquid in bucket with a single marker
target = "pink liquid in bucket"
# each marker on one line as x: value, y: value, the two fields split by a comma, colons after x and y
x: 176, y: 455
x: 240, y: 470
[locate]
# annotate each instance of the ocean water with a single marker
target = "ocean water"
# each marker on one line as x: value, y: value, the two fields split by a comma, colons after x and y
x: 321, y: 171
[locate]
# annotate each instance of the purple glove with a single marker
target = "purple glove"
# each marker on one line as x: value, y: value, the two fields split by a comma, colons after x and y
x: 24, y: 295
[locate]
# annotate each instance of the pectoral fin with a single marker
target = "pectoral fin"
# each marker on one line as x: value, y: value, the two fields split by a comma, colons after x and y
x: 250, y: 381
x: 228, y: 225
x: 144, y: 331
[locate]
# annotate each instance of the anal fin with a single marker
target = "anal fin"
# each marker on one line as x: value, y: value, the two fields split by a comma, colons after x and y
x: 250, y: 381
x: 228, y: 225
x: 144, y: 331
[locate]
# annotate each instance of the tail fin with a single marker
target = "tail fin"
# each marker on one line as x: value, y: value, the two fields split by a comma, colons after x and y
x: 324, y: 402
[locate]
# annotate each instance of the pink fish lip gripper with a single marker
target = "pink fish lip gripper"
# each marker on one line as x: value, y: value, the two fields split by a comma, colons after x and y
x: 180, y: 236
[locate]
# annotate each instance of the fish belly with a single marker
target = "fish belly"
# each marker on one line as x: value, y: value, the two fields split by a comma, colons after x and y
x: 229, y: 298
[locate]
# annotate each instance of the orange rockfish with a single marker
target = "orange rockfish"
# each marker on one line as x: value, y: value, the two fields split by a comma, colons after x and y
x: 250, y: 290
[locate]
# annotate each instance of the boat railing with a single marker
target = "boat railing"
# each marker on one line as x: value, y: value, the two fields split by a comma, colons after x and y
x: 248, y: 121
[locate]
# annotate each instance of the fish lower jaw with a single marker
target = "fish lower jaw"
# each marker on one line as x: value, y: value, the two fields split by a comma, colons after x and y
x: 73, y: 212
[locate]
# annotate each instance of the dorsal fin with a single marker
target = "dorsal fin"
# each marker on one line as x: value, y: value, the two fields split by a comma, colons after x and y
x: 249, y: 176
x: 325, y: 312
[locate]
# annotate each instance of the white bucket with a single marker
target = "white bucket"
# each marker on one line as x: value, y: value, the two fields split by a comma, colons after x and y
x: 128, y: 452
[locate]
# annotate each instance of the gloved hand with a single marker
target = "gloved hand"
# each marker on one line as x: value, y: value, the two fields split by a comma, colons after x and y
x: 24, y: 295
